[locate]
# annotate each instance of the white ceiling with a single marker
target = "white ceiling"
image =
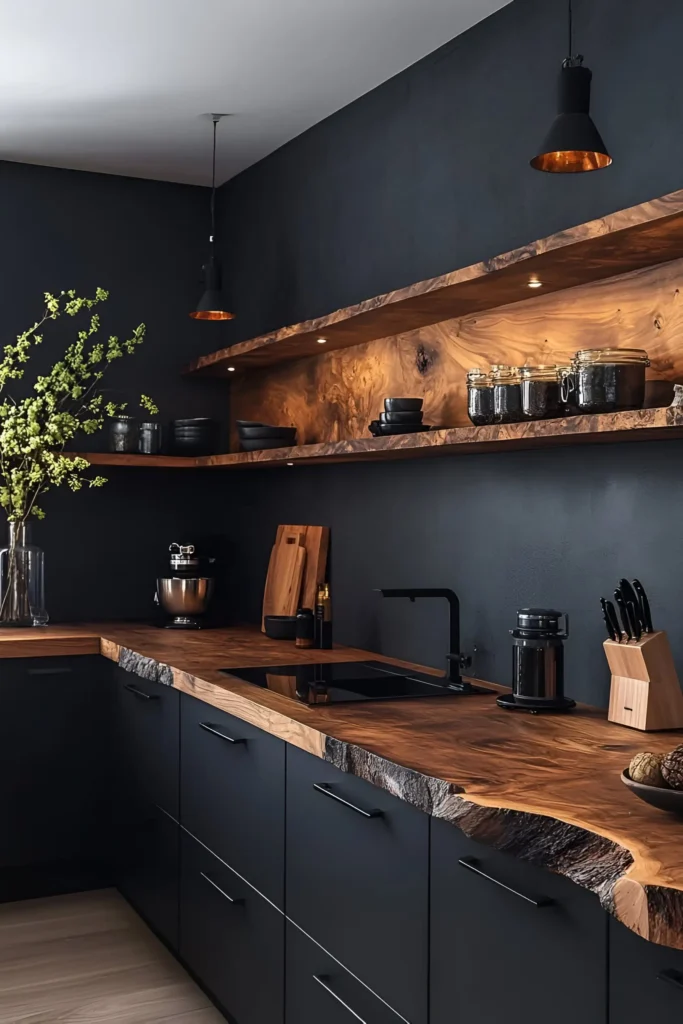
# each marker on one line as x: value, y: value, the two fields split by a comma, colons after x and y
x: 121, y: 85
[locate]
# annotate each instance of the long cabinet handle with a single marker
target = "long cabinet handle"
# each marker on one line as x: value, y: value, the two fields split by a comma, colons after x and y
x: 230, y: 899
x: 672, y: 977
x: 322, y: 980
x: 473, y: 865
x: 322, y: 787
x: 215, y: 731
x: 140, y: 693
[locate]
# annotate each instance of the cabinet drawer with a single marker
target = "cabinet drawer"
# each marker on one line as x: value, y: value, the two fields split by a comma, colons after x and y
x: 233, y: 793
x: 148, y: 858
x: 646, y: 980
x: 148, y: 720
x: 320, y: 990
x: 231, y: 938
x: 510, y: 942
x: 357, y: 879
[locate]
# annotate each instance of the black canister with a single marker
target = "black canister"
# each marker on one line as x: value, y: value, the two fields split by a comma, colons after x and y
x: 538, y: 657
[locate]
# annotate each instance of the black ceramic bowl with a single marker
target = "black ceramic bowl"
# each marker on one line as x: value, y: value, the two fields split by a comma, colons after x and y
x: 280, y: 627
x: 249, y: 423
x: 403, y: 404
x: 387, y: 429
x: 401, y: 417
x: 270, y: 433
x: 261, y: 444
x: 665, y: 799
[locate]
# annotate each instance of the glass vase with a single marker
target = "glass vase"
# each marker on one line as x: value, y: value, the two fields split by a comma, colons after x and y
x: 22, y: 580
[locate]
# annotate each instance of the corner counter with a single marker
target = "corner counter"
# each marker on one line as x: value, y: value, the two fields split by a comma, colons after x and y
x: 543, y: 789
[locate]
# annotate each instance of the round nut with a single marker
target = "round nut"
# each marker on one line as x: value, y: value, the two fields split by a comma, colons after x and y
x: 647, y: 769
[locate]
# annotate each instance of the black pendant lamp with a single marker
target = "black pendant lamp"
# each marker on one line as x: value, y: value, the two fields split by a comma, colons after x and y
x: 211, y: 305
x: 573, y: 143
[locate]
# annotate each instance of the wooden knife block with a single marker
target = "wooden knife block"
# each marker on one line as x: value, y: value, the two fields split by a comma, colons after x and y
x: 645, y: 691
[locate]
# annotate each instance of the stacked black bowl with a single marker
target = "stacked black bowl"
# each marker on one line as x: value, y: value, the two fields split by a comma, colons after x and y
x: 400, y: 416
x: 192, y: 437
x: 255, y: 437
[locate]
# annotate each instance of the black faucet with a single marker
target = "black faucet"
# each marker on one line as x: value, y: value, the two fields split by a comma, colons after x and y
x: 456, y: 660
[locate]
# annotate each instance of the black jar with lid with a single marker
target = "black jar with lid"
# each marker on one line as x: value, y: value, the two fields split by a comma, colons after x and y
x: 538, y: 658
x: 540, y: 392
x: 609, y: 379
x: 479, y: 397
x: 507, y: 394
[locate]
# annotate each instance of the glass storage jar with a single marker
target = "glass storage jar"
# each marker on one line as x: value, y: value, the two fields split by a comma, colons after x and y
x: 609, y: 379
x: 540, y: 392
x: 507, y: 394
x: 479, y: 397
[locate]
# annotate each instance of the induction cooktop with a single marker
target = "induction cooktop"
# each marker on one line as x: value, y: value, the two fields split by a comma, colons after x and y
x: 343, y: 682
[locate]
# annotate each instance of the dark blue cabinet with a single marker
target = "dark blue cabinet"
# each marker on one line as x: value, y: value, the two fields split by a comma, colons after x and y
x: 358, y: 877
x: 55, y: 755
x: 646, y: 980
x: 510, y: 942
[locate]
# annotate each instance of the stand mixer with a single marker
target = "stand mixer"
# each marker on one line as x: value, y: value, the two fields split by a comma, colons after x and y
x: 185, y: 595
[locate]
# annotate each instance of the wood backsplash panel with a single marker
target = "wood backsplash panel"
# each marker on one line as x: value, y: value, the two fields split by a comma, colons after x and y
x: 333, y: 396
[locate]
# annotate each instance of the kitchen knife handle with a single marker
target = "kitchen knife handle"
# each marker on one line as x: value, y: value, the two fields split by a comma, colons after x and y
x: 621, y: 604
x: 634, y: 620
x: 610, y: 628
x: 611, y: 612
x: 644, y: 606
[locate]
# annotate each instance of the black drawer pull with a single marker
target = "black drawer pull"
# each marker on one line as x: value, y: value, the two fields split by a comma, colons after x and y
x: 322, y: 980
x: 230, y: 899
x: 140, y: 693
x: 472, y: 865
x: 672, y: 977
x: 49, y: 671
x: 324, y: 788
x: 215, y: 731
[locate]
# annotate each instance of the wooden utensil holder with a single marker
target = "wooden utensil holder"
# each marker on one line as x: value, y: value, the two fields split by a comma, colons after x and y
x: 645, y: 693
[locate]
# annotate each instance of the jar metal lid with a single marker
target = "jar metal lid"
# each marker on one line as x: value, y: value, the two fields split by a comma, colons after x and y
x: 540, y: 372
x: 479, y: 377
x: 506, y: 374
x: 611, y: 355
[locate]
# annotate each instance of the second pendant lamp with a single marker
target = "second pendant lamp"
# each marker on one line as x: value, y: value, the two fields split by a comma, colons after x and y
x: 573, y: 143
x: 211, y: 305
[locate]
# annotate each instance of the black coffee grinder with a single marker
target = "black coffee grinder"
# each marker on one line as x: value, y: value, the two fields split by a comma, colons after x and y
x: 538, y: 662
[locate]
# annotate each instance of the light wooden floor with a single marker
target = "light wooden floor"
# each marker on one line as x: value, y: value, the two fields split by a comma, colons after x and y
x: 88, y: 959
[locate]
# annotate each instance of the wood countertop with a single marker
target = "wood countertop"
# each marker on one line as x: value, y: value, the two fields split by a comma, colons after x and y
x: 545, y: 789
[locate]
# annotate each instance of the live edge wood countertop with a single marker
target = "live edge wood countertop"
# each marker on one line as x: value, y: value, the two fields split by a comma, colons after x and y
x: 545, y: 789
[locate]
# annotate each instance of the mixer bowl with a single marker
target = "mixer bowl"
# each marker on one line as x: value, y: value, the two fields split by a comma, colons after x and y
x: 185, y: 599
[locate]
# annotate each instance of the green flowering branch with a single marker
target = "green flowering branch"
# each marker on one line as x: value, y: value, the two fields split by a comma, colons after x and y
x: 34, y: 431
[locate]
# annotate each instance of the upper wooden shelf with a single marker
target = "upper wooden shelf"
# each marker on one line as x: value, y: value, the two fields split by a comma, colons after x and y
x: 142, y: 461
x: 642, y: 236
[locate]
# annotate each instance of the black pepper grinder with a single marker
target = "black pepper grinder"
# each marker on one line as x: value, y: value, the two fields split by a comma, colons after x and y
x: 538, y: 662
x: 305, y: 628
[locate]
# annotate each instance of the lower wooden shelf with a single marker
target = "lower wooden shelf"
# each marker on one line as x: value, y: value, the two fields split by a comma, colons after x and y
x: 606, y: 428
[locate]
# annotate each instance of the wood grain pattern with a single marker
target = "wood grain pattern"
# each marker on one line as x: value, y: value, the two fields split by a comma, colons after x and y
x: 606, y: 428
x: 316, y: 540
x: 285, y: 575
x: 639, y: 237
x: 645, y: 692
x: 335, y: 396
x: 545, y: 789
x: 89, y: 958
x: 132, y: 460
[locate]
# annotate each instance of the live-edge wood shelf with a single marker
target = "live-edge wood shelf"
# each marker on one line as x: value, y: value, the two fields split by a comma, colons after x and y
x: 141, y: 461
x: 642, y: 236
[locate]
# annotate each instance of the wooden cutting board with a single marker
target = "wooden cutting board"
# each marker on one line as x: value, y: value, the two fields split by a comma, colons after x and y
x: 285, y: 577
x: 316, y: 540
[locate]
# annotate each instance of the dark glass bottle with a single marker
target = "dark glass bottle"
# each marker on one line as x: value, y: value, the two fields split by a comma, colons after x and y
x: 323, y: 619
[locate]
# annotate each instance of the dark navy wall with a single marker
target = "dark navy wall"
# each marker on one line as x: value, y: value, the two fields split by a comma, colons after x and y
x: 145, y: 242
x: 427, y: 173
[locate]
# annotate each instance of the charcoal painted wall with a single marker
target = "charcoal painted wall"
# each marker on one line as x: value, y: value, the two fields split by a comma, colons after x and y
x: 427, y: 173
x: 143, y: 241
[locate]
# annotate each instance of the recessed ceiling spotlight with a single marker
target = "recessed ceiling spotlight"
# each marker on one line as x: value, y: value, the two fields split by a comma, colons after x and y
x: 322, y: 341
x: 290, y: 463
x: 231, y: 369
x: 535, y: 283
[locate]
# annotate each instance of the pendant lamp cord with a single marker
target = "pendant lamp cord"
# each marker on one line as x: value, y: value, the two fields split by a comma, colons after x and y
x: 572, y: 60
x: 213, y: 185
